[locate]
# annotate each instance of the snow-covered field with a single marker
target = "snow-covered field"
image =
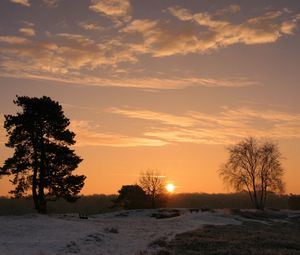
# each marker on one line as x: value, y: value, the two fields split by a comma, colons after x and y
x: 110, y: 233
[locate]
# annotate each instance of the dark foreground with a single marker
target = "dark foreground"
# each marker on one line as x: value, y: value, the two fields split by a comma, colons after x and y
x: 266, y: 233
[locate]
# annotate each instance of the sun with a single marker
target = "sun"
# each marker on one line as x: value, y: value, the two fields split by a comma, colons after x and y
x: 170, y: 187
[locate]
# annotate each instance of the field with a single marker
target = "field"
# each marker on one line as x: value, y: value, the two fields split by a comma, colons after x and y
x: 153, y: 232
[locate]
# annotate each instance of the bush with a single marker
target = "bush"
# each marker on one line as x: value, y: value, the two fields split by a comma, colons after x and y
x: 294, y: 202
x: 132, y: 197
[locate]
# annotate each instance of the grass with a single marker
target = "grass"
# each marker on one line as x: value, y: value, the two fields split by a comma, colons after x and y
x: 249, y: 238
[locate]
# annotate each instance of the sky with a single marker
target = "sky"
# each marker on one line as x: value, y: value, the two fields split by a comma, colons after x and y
x: 162, y: 84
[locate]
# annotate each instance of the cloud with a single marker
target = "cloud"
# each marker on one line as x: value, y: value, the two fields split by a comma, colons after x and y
x: 203, y: 32
x: 64, y: 53
x: 80, y: 40
x: 160, y: 39
x: 89, y: 26
x: 27, y: 23
x: 27, y: 31
x: 266, y: 28
x: 15, y: 40
x: 22, y: 2
x: 41, y: 72
x: 225, y: 127
x: 231, y: 9
x: 51, y: 3
x: 88, y: 135
x: 72, y: 58
x: 154, y: 116
x: 99, y: 60
x: 115, y: 9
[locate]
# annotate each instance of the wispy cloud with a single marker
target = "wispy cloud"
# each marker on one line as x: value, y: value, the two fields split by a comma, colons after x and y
x: 27, y: 31
x: 11, y: 70
x: 117, y: 10
x: 266, y: 28
x: 51, y: 3
x: 164, y: 118
x: 231, y: 9
x: 88, y: 134
x: 225, y: 127
x: 86, y: 57
x: 63, y: 53
x: 90, y: 26
x: 14, y: 40
x: 27, y: 23
x: 22, y: 2
x: 72, y: 58
x: 203, y: 32
x: 80, y: 40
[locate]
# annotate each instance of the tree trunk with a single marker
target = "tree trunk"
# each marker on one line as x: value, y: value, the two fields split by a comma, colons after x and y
x: 41, y: 196
x: 256, y: 204
x: 153, y: 201
x: 34, y: 193
x: 34, y: 176
x: 249, y: 192
x: 42, y: 200
x: 265, y: 196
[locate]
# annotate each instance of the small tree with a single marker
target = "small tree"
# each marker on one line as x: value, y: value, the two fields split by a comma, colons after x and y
x: 254, y: 166
x: 153, y: 183
x: 132, y: 197
x: 42, y: 160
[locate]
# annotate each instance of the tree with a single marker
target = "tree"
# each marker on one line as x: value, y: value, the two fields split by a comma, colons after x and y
x: 254, y: 166
x: 153, y: 183
x: 132, y: 197
x: 42, y: 160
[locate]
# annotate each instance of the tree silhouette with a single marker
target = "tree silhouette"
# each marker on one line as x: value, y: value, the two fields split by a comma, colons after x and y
x: 254, y: 166
x: 42, y: 160
x: 132, y: 197
x: 294, y: 202
x: 153, y: 183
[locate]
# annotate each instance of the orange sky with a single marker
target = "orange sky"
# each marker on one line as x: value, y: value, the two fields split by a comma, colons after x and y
x: 164, y: 85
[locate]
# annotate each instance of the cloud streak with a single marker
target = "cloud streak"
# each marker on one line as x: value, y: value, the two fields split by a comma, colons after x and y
x: 27, y: 31
x: 11, y: 70
x: 226, y: 127
x: 51, y: 3
x: 88, y: 134
x: 22, y: 2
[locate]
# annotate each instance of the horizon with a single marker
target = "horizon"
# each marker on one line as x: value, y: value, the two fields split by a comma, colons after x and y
x: 166, y: 85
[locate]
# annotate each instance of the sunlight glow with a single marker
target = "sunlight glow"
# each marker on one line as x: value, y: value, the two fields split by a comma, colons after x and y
x: 170, y: 187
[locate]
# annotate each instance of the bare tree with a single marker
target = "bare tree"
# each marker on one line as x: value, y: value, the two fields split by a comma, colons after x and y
x: 254, y: 166
x: 153, y: 183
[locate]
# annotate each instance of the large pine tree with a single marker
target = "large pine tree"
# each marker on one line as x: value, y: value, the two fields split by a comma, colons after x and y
x: 42, y: 160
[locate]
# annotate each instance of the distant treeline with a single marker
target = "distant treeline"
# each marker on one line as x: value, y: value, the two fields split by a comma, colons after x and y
x: 220, y: 201
x: 96, y: 204
x: 93, y: 204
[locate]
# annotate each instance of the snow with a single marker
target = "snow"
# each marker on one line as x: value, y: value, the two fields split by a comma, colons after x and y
x: 67, y: 234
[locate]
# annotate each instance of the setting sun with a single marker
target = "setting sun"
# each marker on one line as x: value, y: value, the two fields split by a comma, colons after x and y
x: 170, y: 187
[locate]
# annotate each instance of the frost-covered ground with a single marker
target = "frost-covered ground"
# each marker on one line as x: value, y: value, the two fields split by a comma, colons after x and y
x: 110, y: 233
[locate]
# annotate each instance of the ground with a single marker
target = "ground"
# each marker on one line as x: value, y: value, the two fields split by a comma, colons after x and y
x: 141, y: 232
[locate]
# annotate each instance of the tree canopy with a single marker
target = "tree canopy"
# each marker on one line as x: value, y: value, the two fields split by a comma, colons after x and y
x: 153, y: 183
x: 132, y: 197
x: 42, y: 160
x: 254, y: 166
